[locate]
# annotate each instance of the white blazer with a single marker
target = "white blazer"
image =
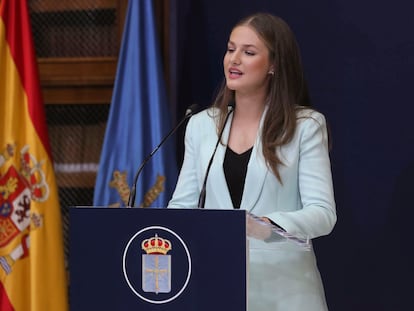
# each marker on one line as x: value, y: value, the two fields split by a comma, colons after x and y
x: 303, y: 204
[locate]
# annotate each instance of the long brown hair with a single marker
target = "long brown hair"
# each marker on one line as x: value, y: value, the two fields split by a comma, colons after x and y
x: 287, y: 89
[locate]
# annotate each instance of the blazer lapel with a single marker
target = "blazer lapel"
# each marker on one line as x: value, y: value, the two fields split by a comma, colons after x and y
x: 256, y: 173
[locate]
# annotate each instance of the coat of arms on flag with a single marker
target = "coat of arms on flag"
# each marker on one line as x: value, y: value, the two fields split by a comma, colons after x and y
x: 156, y: 265
x: 17, y: 189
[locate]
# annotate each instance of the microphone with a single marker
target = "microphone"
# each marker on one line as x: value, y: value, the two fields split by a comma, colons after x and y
x: 202, y: 197
x: 188, y: 113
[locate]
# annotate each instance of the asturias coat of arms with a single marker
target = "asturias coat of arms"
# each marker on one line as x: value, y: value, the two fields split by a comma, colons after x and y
x: 156, y: 265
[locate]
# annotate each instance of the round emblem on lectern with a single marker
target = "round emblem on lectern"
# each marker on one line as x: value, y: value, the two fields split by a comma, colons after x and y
x: 156, y: 265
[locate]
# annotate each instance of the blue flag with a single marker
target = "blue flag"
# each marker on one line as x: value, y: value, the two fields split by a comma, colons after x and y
x: 139, y: 118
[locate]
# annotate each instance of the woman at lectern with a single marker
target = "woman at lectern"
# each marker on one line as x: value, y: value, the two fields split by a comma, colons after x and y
x: 261, y: 147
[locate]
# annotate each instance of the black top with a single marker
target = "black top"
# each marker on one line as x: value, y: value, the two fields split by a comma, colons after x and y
x: 235, y: 169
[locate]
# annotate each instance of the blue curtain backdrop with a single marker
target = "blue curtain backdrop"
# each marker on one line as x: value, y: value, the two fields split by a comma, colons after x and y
x: 138, y: 120
x: 359, y: 61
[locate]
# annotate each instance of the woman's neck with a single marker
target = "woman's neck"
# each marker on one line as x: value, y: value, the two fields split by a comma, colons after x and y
x: 249, y: 107
x: 245, y: 122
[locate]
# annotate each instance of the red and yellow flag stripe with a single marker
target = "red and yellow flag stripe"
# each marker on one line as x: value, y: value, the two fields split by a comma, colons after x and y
x: 32, y: 265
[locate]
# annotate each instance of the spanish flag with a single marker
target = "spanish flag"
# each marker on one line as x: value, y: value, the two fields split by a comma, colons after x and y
x: 32, y: 265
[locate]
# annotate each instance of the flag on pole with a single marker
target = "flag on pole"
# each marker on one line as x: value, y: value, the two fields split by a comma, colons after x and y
x: 32, y: 267
x: 139, y: 118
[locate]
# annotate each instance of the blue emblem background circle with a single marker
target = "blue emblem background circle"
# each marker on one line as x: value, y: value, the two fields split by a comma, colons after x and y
x: 180, y: 264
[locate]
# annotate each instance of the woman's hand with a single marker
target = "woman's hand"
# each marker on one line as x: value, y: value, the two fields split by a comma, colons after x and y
x: 258, y: 228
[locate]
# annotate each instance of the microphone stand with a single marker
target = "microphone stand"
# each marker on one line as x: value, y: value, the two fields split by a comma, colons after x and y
x: 131, y: 200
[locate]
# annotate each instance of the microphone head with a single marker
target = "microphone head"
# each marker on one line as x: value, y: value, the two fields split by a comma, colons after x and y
x: 231, y: 105
x: 191, y: 110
